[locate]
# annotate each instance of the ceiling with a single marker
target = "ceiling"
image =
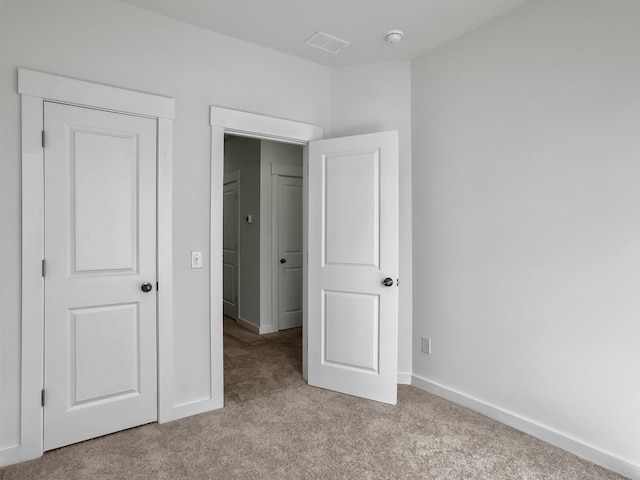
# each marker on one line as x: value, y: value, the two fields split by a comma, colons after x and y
x: 285, y: 25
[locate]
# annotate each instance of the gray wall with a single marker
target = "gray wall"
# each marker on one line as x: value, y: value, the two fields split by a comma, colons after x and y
x: 244, y: 154
x: 526, y: 218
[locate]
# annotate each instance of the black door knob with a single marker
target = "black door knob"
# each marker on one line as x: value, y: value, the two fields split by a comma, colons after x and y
x: 387, y: 282
x: 283, y: 260
x: 146, y: 287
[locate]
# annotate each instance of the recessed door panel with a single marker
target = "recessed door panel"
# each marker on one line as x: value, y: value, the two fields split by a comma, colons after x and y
x: 292, y: 204
x: 97, y: 332
x: 229, y: 294
x: 350, y: 324
x: 351, y: 222
x: 293, y: 290
x: 230, y: 214
x: 104, y: 200
x: 100, y: 248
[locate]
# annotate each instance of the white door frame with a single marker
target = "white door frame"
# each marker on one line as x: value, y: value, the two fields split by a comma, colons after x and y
x: 251, y: 125
x: 36, y: 88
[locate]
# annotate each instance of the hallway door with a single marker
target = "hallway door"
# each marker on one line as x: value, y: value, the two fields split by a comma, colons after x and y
x: 289, y: 201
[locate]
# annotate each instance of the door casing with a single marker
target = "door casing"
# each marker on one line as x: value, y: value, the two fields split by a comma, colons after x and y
x: 35, y: 88
x: 250, y: 125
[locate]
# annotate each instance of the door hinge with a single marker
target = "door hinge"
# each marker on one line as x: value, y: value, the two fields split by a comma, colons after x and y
x: 42, y: 397
x: 44, y: 267
x: 42, y: 138
x: 157, y: 286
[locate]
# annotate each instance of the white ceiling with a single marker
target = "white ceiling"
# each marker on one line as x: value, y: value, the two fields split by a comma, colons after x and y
x: 285, y: 25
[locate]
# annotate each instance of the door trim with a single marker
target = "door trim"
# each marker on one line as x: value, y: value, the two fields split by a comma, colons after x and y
x: 244, y: 124
x: 34, y: 88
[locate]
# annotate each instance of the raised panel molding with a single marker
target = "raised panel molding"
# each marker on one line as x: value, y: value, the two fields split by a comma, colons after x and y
x: 95, y: 332
x: 350, y: 225
x: 293, y: 282
x: 360, y: 325
x: 91, y: 232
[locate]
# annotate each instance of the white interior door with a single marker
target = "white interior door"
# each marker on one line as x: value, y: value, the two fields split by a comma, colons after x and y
x: 289, y: 192
x: 353, y: 265
x: 230, y: 249
x: 100, y: 248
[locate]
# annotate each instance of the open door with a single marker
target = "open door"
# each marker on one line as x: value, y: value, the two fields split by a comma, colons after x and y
x: 353, y: 265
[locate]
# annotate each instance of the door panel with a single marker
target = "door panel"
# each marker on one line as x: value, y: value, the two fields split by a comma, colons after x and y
x: 292, y: 299
x: 350, y: 319
x: 351, y: 221
x: 353, y: 247
x: 230, y: 249
x: 96, y: 332
x: 289, y: 194
x: 100, y: 246
x: 104, y: 175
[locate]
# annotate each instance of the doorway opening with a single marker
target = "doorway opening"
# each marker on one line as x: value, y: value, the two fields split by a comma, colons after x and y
x: 359, y: 303
x: 234, y: 122
x: 261, y: 266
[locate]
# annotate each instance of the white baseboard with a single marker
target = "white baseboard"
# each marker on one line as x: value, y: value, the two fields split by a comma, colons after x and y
x: 248, y: 325
x: 254, y: 328
x: 544, y: 433
x: 404, y: 378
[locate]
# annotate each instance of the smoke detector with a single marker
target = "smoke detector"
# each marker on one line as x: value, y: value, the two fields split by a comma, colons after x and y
x: 394, y: 36
x: 326, y: 42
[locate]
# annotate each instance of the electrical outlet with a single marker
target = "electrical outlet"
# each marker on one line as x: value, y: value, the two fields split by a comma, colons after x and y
x: 426, y: 345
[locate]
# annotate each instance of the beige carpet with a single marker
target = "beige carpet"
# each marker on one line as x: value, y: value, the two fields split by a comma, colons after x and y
x: 274, y: 426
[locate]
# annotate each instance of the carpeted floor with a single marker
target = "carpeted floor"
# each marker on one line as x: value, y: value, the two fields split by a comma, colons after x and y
x: 274, y: 426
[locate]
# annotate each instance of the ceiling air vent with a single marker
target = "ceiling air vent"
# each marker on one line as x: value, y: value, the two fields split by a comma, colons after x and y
x: 326, y: 42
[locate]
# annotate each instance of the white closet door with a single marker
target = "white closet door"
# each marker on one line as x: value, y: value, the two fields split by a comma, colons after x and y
x: 100, y: 249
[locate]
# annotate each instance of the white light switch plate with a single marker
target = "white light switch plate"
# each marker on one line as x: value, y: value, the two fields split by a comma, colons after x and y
x: 196, y: 259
